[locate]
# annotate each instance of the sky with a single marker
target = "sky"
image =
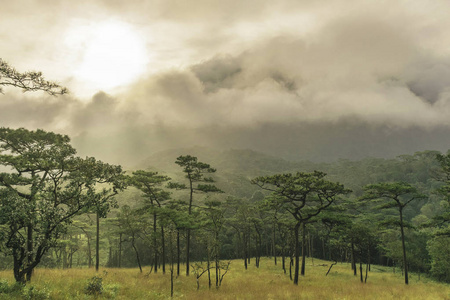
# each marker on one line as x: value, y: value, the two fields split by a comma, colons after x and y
x: 317, y: 80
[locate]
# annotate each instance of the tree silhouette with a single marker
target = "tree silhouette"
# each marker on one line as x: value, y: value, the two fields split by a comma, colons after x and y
x: 28, y: 81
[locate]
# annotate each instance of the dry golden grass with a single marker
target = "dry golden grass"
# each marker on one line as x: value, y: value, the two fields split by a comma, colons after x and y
x: 267, y: 282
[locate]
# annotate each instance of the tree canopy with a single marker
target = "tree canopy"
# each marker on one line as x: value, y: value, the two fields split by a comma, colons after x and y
x: 43, y: 186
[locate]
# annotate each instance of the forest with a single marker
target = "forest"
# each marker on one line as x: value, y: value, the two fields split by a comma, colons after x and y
x: 192, y: 211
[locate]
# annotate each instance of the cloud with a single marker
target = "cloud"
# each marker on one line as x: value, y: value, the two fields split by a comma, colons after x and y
x: 17, y: 110
x: 299, y: 78
x: 359, y: 68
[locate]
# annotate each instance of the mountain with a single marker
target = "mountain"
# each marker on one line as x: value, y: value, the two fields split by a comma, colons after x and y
x: 236, y: 168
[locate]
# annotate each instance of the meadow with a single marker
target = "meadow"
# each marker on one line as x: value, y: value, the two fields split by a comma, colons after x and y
x: 266, y: 282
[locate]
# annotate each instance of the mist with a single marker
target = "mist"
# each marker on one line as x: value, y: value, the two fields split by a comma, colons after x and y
x: 325, y: 83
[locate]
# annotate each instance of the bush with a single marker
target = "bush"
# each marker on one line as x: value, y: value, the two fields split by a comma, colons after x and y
x: 94, y: 286
x: 111, y: 291
x: 5, y: 288
x: 21, y: 291
x: 31, y: 293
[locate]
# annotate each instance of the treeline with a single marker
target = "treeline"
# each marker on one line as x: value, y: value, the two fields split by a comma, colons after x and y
x: 390, y: 212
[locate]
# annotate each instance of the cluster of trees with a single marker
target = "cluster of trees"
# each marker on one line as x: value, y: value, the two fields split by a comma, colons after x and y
x: 43, y: 186
x: 52, y: 202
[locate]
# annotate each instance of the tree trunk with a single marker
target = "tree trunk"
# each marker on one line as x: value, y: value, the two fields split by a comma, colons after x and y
x: 137, y: 253
x: 329, y: 269
x: 110, y: 255
x: 297, y: 252
x: 18, y: 276
x: 89, y: 252
x: 188, y: 244
x: 208, y: 266
x: 249, y: 239
x: 217, y: 254
x: 97, y: 243
x: 245, y: 250
x: 163, y: 246
x: 188, y: 236
x: 72, y: 251
x: 89, y: 246
x: 368, y: 263
x: 360, y: 268
x: 217, y: 271
x: 353, y: 259
x: 367, y: 272
x: 403, y: 246
x: 291, y: 263
x: 155, y: 246
x: 171, y: 261
x: 30, y: 250
x: 120, y: 250
x: 64, y: 257
x: 303, y: 248
x: 323, y: 249
x: 274, y: 252
x: 258, y: 247
x: 178, y: 252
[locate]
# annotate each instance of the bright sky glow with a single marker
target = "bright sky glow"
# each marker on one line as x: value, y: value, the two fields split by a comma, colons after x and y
x: 111, y: 54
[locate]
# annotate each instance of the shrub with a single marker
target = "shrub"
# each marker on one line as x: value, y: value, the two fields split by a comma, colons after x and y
x: 18, y: 290
x: 111, y: 291
x: 94, y: 286
x: 32, y: 293
x: 4, y: 287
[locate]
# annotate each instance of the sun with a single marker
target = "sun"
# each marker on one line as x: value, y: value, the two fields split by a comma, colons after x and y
x: 109, y: 54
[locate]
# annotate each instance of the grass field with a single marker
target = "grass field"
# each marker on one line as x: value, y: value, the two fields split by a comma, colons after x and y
x: 267, y: 282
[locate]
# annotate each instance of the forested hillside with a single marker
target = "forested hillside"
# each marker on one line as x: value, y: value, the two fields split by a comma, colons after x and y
x: 213, y: 206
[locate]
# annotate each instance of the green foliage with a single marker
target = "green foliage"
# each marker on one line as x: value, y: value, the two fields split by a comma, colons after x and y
x: 32, y: 293
x: 4, y: 287
x: 304, y: 195
x: 397, y: 195
x: 442, y: 219
x: 390, y: 194
x: 149, y: 183
x: 111, y: 291
x: 195, y: 173
x: 94, y: 286
x: 19, y: 290
x: 254, y: 220
x: 193, y: 168
x: 45, y: 186
x: 439, y: 248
